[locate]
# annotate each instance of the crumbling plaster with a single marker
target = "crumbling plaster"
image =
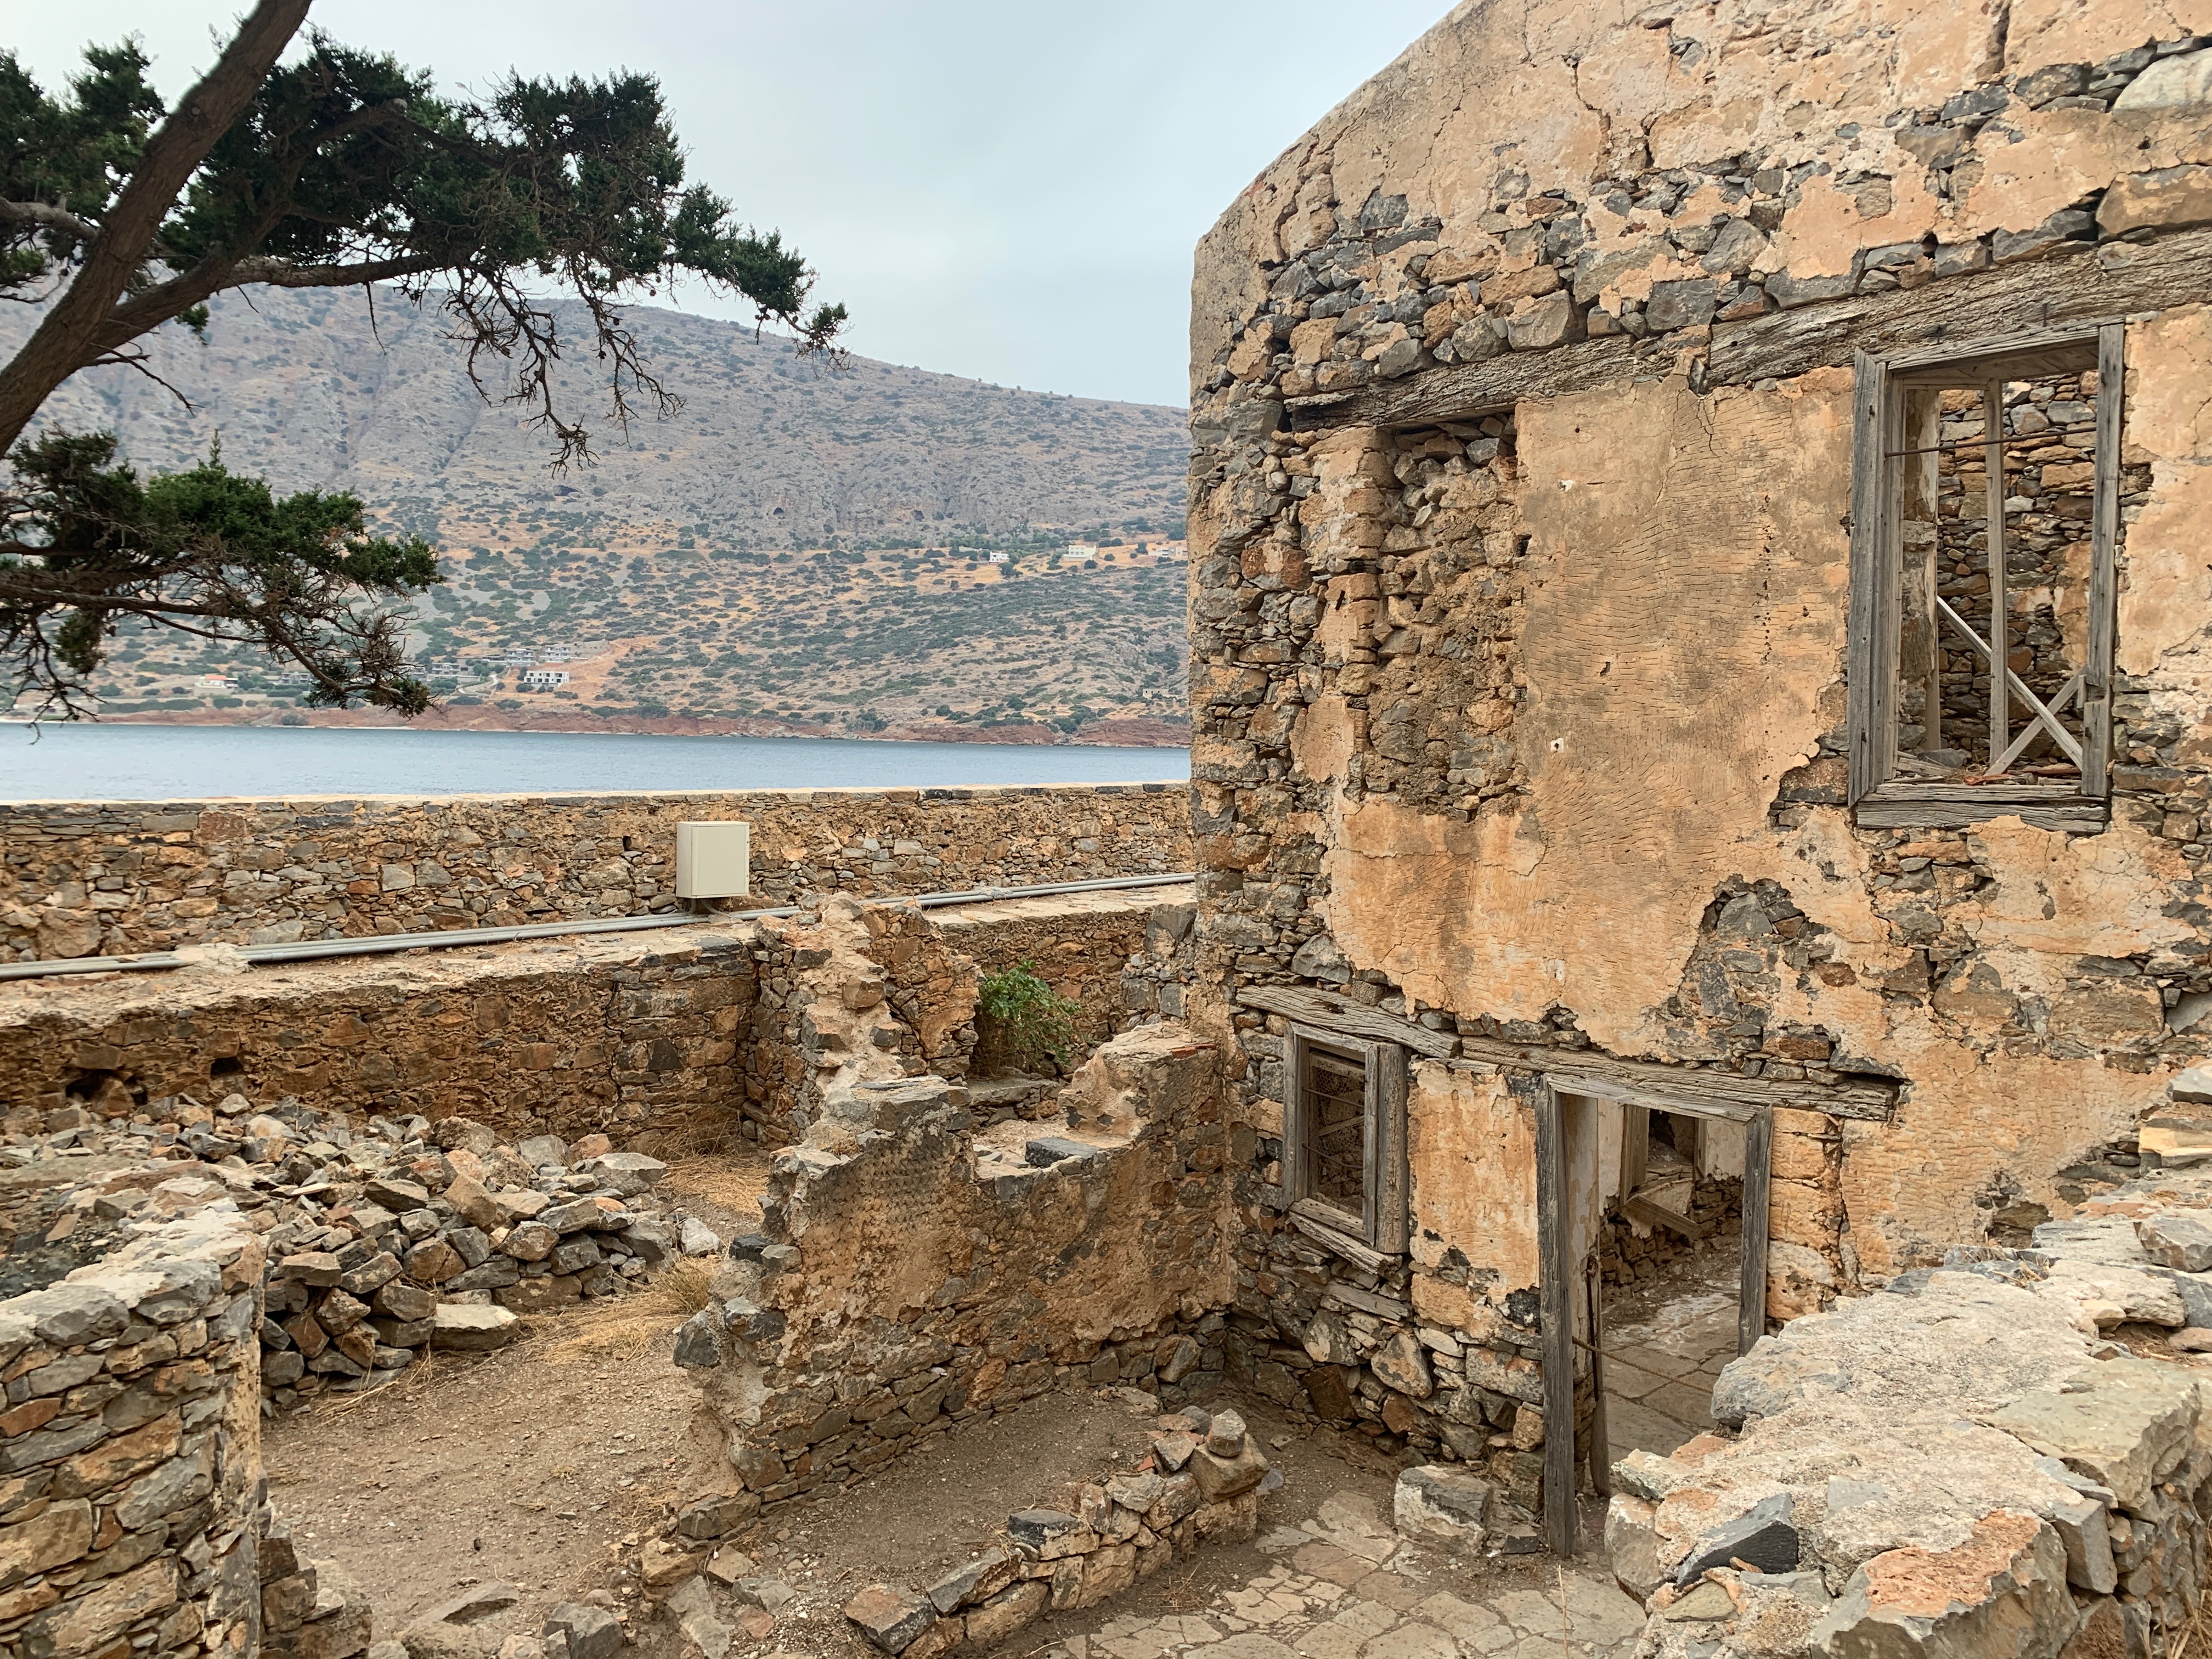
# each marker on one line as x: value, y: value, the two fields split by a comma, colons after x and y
x: 1682, y: 645
x: 1522, y: 429
x: 1506, y: 100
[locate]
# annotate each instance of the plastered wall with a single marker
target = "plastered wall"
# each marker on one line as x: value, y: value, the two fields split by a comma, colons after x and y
x: 1522, y: 420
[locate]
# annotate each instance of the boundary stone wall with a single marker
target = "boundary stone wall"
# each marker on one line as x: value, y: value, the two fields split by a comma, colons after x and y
x: 81, y: 878
x: 130, y: 1485
x: 621, y: 1034
x: 675, y: 1039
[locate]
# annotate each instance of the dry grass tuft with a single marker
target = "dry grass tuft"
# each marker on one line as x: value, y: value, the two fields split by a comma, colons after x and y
x: 627, y: 1326
x: 731, y: 1179
x: 2194, y: 1634
x: 405, y: 1386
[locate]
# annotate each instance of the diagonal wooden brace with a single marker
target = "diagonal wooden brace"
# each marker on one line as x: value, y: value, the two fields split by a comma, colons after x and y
x: 2059, y: 734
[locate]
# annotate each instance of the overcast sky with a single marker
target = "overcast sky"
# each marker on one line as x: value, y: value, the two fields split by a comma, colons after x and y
x: 1004, y: 189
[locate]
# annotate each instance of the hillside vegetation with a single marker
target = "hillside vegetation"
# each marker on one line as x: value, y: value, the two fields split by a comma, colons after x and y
x: 797, y: 549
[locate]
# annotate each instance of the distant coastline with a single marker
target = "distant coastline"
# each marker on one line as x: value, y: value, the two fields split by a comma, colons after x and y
x: 1114, y: 732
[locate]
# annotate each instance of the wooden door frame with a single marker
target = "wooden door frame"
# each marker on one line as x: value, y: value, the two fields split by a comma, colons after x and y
x: 1555, y: 1283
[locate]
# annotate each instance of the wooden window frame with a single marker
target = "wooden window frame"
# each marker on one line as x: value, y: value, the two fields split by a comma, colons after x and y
x: 1384, y: 1224
x: 1881, y: 799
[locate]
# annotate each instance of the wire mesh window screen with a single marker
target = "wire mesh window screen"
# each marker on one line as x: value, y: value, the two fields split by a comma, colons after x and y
x: 1344, y: 1136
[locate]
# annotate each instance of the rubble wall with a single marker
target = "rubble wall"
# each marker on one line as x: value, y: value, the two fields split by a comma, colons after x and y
x: 110, y: 878
x: 1521, y: 429
x: 679, y: 1039
x: 2013, y: 1430
x: 1080, y: 943
x: 903, y: 1281
x: 130, y: 1491
x: 1198, y: 1482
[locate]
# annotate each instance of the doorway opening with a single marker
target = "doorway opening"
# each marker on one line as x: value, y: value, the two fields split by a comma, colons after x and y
x: 1651, y: 1232
x: 1669, y: 1277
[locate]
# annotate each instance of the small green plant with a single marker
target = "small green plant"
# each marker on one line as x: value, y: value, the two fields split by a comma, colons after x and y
x: 1022, y: 1022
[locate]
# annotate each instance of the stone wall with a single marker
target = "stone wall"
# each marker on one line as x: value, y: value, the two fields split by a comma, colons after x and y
x: 82, y: 879
x: 1522, y: 421
x: 1080, y: 943
x: 912, y: 1273
x: 625, y: 1035
x: 132, y: 1507
x: 677, y: 1040
x: 1195, y: 1480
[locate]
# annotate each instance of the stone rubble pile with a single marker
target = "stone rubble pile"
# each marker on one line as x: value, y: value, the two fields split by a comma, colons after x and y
x: 1968, y: 1462
x: 396, y: 1238
x: 1201, y: 1481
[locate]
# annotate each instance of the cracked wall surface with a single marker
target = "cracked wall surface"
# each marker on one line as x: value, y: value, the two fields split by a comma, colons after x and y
x: 1522, y: 429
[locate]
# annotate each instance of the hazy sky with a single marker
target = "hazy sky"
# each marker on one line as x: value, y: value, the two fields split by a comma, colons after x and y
x: 1004, y: 191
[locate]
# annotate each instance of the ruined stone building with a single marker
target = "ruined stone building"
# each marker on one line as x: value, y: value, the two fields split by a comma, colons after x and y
x: 1623, y: 437
x: 1680, y: 976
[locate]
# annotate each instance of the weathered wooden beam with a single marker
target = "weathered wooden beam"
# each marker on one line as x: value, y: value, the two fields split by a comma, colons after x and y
x: 1911, y: 806
x: 1314, y: 1221
x: 2104, y: 575
x: 1599, y: 1454
x: 1713, y: 1093
x: 1555, y: 1315
x: 1873, y: 731
x: 2111, y: 280
x: 1693, y: 1090
x: 1340, y: 1014
x: 1757, y: 1172
x: 1641, y: 1209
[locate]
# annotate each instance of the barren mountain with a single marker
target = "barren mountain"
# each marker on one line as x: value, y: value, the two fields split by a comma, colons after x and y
x: 798, y: 548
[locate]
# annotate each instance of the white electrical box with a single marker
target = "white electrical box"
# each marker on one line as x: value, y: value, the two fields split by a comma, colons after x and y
x: 713, y: 860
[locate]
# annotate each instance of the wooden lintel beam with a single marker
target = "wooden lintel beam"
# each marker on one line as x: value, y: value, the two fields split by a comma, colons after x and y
x: 1340, y: 1014
x: 1711, y: 1092
x: 2112, y: 279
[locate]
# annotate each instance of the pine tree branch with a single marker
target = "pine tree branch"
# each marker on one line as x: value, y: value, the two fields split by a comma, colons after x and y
x: 52, y: 217
x: 71, y: 330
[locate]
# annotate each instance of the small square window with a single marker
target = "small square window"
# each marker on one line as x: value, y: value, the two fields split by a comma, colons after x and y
x: 1344, y: 1135
x: 1981, y: 641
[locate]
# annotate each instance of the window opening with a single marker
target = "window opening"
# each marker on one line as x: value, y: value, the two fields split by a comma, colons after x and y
x: 1344, y: 1138
x: 1985, y: 523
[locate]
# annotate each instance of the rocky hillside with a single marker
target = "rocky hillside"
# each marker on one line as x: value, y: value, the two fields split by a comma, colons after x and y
x: 874, y: 549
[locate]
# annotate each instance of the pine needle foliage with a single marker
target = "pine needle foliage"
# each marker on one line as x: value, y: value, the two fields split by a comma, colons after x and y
x: 120, y: 215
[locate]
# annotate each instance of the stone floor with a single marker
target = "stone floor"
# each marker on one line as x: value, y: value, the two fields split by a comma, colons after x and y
x: 1666, y: 1342
x: 1345, y: 1586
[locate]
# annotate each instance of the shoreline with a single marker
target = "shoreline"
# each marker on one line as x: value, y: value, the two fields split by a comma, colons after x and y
x: 1130, y: 731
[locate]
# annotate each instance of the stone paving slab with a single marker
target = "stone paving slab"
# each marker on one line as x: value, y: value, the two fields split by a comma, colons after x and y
x: 1344, y: 1586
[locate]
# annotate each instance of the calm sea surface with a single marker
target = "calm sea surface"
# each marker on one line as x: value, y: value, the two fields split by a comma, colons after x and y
x: 87, y: 762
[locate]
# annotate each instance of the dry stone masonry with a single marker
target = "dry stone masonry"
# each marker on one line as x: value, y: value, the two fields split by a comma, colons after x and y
x: 910, y: 1276
x: 132, y: 1513
x: 1990, y: 1452
x: 685, y: 1038
x: 1199, y: 1482
x: 111, y: 878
